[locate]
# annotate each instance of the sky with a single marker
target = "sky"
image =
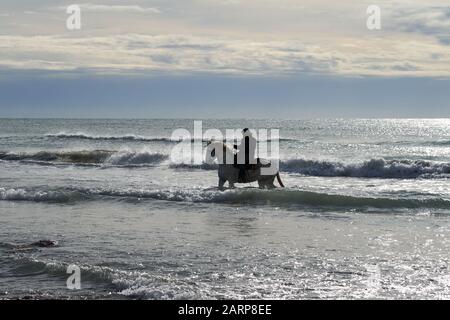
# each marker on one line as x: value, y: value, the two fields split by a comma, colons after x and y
x: 225, y: 59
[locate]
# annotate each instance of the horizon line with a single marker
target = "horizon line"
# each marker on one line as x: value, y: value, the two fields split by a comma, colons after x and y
x: 223, y: 118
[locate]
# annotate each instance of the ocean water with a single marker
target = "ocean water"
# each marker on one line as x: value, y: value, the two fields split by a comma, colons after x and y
x: 365, y: 213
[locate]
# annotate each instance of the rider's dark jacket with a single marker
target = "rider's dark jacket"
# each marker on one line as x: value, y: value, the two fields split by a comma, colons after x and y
x: 246, y: 150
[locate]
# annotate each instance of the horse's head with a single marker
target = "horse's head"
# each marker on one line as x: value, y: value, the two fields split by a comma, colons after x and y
x: 210, y: 150
x: 215, y: 149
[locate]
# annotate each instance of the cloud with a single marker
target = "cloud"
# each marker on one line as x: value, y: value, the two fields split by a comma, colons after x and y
x: 430, y: 19
x: 191, y: 54
x: 427, y: 20
x: 238, y: 37
x: 117, y: 8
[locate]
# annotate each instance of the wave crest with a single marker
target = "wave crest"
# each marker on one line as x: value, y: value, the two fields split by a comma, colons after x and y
x: 281, y: 197
x: 93, y: 157
x: 88, y: 157
x: 51, y: 196
x: 374, y: 168
x: 125, y: 158
x: 133, y: 137
x: 127, y: 137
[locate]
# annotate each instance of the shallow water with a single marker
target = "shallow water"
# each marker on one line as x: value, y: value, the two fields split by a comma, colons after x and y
x: 365, y: 213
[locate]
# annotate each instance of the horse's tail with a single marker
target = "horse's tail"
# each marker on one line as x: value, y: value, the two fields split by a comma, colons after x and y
x: 279, y: 180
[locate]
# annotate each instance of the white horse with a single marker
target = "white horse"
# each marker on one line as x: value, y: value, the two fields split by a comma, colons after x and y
x: 230, y: 173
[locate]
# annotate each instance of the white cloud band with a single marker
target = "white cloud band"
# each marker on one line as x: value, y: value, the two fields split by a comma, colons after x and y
x: 180, y: 53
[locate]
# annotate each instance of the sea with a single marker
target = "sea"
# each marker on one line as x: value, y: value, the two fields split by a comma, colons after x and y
x: 365, y: 212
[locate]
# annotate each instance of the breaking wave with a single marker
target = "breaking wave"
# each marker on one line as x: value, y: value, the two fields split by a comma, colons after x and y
x: 133, y: 137
x: 51, y: 196
x: 374, y: 168
x: 124, y: 283
x: 126, y: 158
x: 128, y: 137
x: 280, y: 197
x: 90, y: 157
x: 86, y: 157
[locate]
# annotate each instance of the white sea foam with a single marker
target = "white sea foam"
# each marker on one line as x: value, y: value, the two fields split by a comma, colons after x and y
x: 126, y: 137
x: 134, y: 137
x: 128, y: 157
x: 86, y: 157
x: 374, y: 168
x: 280, y: 197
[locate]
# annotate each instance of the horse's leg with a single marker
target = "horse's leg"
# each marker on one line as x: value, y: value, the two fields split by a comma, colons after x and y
x: 266, y: 183
x: 231, y: 184
x: 221, y: 183
x: 272, y: 185
x: 261, y: 184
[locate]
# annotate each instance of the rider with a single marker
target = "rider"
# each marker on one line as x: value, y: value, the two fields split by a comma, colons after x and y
x: 246, y: 152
